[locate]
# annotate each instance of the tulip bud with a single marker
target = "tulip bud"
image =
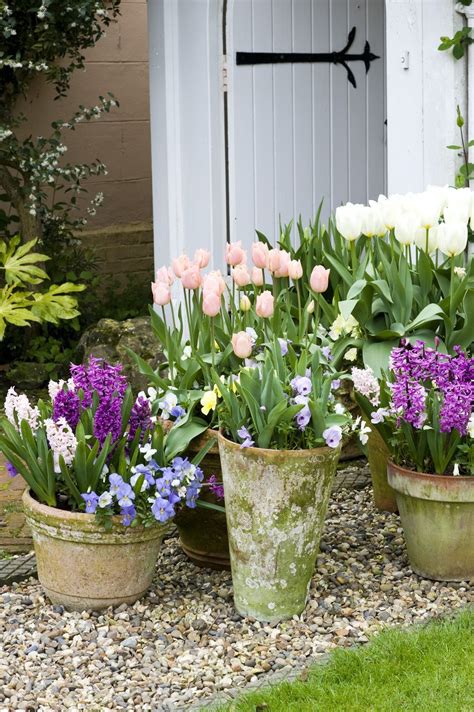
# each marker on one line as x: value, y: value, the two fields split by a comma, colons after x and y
x: 319, y: 279
x: 234, y: 254
x: 245, y: 303
x: 310, y: 307
x: 260, y: 255
x: 257, y: 277
x: 295, y: 270
x: 241, y: 275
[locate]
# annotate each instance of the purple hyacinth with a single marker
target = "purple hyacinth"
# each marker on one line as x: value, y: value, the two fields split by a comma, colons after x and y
x: 216, y: 487
x: 11, y: 469
x: 108, y: 419
x: 140, y: 417
x: 67, y: 405
x: 99, y: 377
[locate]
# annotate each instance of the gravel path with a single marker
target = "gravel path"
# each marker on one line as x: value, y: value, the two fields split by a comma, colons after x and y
x: 184, y: 644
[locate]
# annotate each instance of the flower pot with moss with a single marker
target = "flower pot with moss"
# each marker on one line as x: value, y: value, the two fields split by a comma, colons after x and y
x: 104, y: 484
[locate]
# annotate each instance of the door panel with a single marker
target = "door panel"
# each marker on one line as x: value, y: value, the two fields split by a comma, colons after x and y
x: 299, y: 132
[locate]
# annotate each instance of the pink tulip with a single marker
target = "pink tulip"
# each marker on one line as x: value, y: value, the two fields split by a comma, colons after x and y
x: 234, y: 254
x: 241, y: 275
x: 180, y: 264
x: 260, y: 255
x: 295, y: 270
x: 284, y: 264
x: 319, y: 279
x: 242, y: 344
x: 165, y: 275
x: 201, y: 258
x: 257, y: 277
x: 191, y: 278
x: 264, y: 305
x: 274, y: 259
x: 161, y: 293
x: 211, y: 303
x: 213, y: 282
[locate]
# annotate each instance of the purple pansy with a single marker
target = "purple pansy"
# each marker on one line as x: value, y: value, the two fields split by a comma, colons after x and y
x: 283, y: 346
x: 177, y: 412
x: 162, y: 509
x: 92, y: 500
x: 301, y: 385
x: 128, y: 515
x: 333, y: 435
x: 244, y: 435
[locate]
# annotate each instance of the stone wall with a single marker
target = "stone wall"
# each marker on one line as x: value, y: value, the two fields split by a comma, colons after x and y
x: 123, y: 250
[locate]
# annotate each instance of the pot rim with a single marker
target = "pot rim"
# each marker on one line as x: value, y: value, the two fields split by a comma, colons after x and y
x: 421, y: 475
x: 272, y: 451
x: 46, y: 511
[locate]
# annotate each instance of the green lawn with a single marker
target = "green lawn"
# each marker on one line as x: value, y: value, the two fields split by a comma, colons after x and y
x: 427, y: 668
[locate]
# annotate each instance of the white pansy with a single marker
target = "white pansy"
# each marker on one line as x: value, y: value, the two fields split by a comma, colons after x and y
x: 456, y: 472
x: 349, y: 221
x: 187, y: 353
x: 147, y: 451
x: 339, y: 409
x: 134, y: 479
x: 105, y: 499
x: 460, y: 272
x: 364, y: 433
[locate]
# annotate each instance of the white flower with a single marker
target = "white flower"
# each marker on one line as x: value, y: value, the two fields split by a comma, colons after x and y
x: 105, y: 499
x: 54, y: 387
x: 364, y: 433
x: 470, y: 426
x: 373, y: 223
x: 18, y: 408
x: 420, y: 239
x: 147, y: 451
x: 253, y: 335
x: 452, y: 238
x: 339, y: 409
x: 349, y: 221
x: 167, y: 404
x: 460, y: 272
x: 379, y: 415
x: 351, y: 355
x: 134, y: 479
x: 62, y: 441
x: 187, y: 353
x: 406, y: 228
x: 456, y: 472
x: 366, y: 383
x: 342, y: 327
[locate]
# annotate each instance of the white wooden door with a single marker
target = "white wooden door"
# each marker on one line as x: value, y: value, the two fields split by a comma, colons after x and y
x: 300, y: 132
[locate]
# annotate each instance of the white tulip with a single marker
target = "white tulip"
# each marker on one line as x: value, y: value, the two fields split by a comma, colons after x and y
x: 406, y: 228
x: 441, y: 193
x: 349, y: 221
x: 458, y: 206
x: 429, y: 209
x: 391, y: 210
x: 452, y: 238
x: 420, y: 239
x: 373, y: 224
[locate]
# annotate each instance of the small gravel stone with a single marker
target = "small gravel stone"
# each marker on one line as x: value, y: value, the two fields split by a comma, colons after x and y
x: 184, y: 646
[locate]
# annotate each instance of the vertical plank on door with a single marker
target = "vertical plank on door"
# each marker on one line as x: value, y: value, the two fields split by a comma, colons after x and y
x: 376, y: 134
x: 302, y: 114
x: 320, y: 20
x: 263, y: 117
x: 339, y: 108
x: 283, y: 115
x: 357, y: 108
x: 241, y: 122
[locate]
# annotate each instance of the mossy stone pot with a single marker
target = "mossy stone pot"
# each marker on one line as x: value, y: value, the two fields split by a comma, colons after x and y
x: 276, y: 503
x: 84, y: 567
x: 378, y: 456
x: 437, y: 514
x: 203, y: 532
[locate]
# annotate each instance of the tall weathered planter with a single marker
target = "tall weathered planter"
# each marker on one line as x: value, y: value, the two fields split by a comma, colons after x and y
x: 437, y: 514
x: 276, y: 503
x: 84, y: 567
x: 203, y: 532
x: 378, y: 456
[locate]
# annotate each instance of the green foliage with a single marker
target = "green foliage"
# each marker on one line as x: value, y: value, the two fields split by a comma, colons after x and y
x: 20, y: 306
x: 466, y: 171
x: 423, y: 668
x: 459, y: 42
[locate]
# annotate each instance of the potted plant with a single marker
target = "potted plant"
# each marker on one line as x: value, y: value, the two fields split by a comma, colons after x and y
x: 104, y: 483
x: 427, y: 421
x: 280, y: 439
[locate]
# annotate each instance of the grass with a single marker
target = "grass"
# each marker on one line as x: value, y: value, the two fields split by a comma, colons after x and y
x: 428, y: 668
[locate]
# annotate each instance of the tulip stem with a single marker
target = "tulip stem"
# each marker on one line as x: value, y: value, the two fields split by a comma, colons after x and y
x: 213, y: 342
x: 353, y: 257
x: 300, y: 319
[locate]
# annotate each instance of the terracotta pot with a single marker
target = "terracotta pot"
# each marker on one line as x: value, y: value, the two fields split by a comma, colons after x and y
x: 378, y: 456
x: 437, y: 514
x: 203, y: 532
x: 276, y: 503
x: 84, y: 567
